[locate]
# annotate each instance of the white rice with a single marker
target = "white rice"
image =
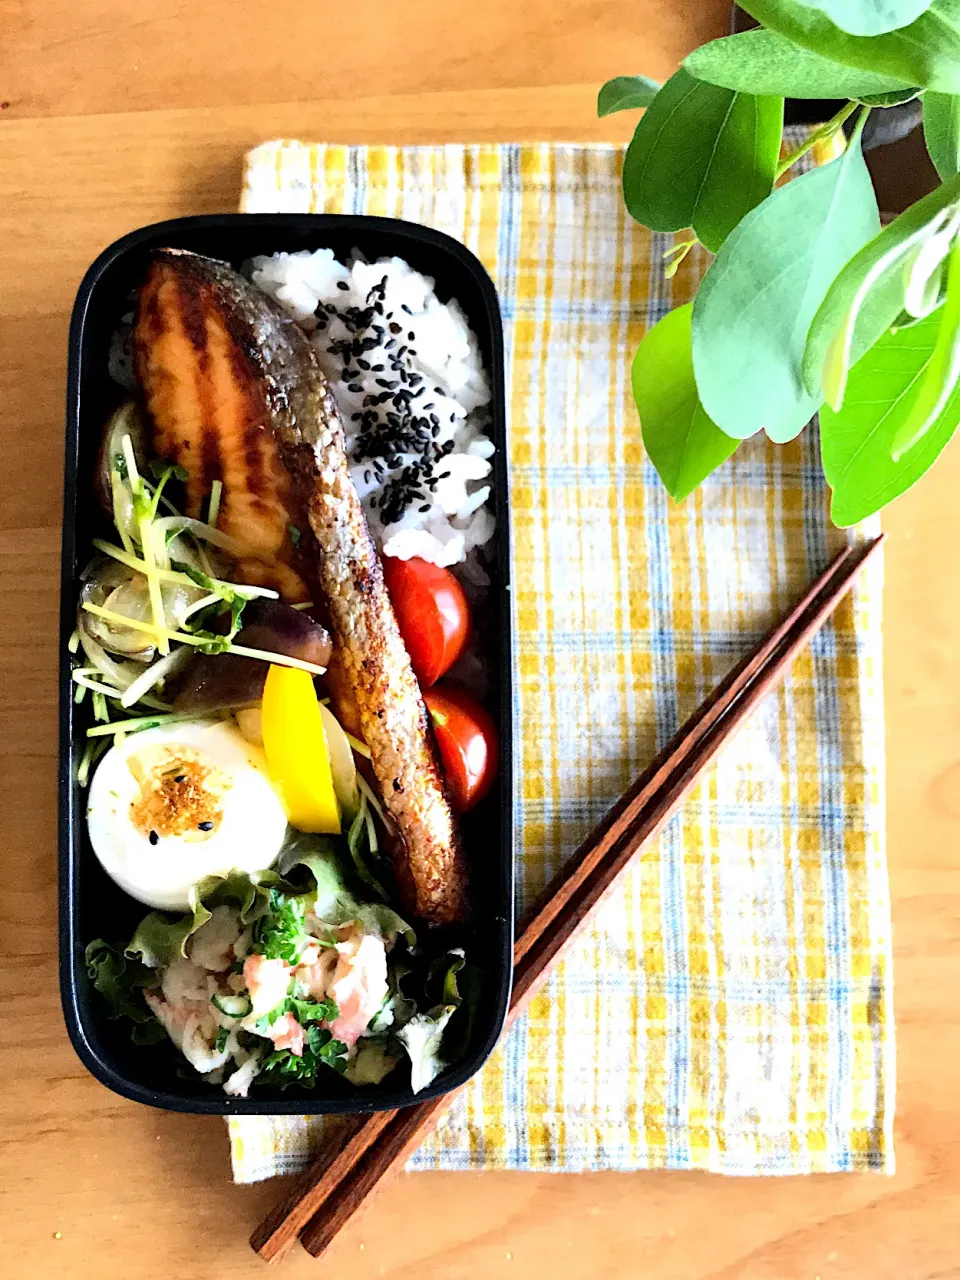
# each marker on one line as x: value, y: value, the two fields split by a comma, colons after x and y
x: 421, y: 472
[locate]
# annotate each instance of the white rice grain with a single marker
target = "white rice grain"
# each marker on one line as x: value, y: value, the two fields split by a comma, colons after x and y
x: 407, y: 374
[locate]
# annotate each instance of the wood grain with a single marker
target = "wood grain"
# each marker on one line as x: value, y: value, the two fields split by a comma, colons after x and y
x: 90, y: 148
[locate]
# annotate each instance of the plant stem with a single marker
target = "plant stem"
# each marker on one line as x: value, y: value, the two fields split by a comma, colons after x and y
x: 678, y: 253
x: 825, y: 131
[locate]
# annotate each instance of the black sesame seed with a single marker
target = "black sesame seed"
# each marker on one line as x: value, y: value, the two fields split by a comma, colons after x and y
x: 154, y: 838
x: 411, y: 335
x: 364, y: 364
x: 208, y: 826
x: 425, y: 507
x: 405, y: 308
x: 341, y: 284
x: 428, y: 406
x: 435, y: 430
x: 355, y: 387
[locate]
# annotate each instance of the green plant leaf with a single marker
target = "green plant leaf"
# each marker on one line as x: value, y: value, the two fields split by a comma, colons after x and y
x: 869, y: 17
x: 941, y: 373
x: 856, y: 442
x: 701, y: 157
x: 626, y: 93
x: 755, y: 304
x: 868, y: 294
x: 766, y: 62
x: 890, y: 99
x: 680, y: 440
x: 925, y: 53
x: 941, y: 132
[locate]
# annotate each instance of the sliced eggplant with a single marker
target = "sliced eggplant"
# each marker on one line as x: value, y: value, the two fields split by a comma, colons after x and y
x: 228, y: 681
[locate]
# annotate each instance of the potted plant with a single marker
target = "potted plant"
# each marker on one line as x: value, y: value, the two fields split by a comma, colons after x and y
x: 809, y: 305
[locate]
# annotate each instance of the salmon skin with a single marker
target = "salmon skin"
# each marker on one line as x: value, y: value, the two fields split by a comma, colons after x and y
x: 233, y: 391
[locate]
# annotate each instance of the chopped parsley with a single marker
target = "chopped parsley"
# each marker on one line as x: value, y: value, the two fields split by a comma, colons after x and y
x: 280, y: 934
x: 282, y: 1068
x: 305, y: 1012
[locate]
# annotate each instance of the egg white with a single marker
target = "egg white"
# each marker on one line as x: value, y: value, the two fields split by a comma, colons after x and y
x: 248, y: 836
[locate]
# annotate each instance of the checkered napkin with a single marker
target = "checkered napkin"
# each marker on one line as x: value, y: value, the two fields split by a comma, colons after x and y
x: 730, y: 1007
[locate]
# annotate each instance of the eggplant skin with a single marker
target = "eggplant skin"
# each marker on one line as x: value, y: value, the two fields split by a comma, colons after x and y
x: 233, y: 390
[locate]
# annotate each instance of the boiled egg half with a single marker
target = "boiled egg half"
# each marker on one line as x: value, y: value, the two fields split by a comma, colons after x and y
x: 173, y: 804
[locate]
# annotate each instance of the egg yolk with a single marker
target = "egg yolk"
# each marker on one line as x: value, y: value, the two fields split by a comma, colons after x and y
x: 181, y: 793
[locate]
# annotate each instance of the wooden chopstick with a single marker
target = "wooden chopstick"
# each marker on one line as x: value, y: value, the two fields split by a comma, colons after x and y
x: 337, y: 1185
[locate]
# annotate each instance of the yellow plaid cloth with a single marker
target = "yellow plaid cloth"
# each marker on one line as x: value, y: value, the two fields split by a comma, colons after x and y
x: 730, y: 1008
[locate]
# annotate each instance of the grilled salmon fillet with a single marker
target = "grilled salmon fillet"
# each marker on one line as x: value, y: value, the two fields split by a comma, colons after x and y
x: 200, y: 358
x: 234, y: 392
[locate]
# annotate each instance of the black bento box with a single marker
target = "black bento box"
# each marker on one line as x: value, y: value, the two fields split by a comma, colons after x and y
x: 91, y: 905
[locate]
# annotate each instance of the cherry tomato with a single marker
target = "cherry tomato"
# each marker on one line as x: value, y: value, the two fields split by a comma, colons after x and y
x: 432, y: 612
x: 467, y: 739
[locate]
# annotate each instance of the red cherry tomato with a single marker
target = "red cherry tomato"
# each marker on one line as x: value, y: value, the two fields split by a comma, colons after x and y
x: 467, y: 739
x: 432, y: 612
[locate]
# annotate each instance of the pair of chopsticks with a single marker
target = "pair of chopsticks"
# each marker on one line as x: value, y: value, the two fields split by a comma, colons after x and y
x: 369, y: 1150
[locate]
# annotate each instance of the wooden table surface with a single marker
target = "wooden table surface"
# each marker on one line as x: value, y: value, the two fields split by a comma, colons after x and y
x: 113, y: 115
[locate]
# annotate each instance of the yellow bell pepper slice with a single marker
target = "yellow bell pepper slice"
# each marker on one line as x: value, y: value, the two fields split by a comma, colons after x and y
x: 297, y: 754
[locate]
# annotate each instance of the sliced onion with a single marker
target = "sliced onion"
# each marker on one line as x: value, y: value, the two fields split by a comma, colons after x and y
x: 172, y: 525
x: 373, y: 801
x: 126, y: 421
x: 250, y: 724
x: 113, y: 586
x: 126, y: 592
x: 171, y: 665
x: 119, y: 675
x: 342, y: 764
x: 130, y: 600
x: 180, y: 602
